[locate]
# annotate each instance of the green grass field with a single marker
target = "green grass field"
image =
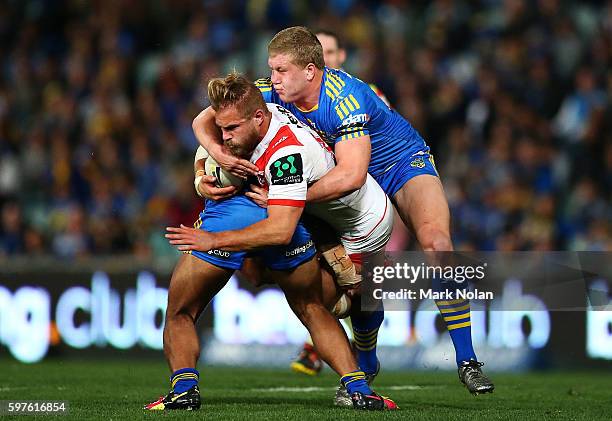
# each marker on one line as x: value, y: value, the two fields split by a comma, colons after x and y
x: 118, y: 389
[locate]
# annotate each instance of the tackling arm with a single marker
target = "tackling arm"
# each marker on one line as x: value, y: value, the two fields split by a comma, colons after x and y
x: 349, y: 174
x: 209, y: 136
x: 206, y: 131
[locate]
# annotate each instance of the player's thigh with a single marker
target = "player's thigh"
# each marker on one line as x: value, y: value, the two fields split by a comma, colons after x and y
x: 302, y: 285
x: 295, y: 268
x: 193, y: 284
x: 329, y: 289
x: 422, y: 202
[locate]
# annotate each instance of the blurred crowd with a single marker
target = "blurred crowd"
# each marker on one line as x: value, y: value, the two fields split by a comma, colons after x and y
x: 97, y: 100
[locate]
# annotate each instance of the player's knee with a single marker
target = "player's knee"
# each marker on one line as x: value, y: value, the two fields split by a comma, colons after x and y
x: 300, y: 309
x: 308, y: 311
x: 432, y: 238
x: 179, y: 313
x: 442, y: 243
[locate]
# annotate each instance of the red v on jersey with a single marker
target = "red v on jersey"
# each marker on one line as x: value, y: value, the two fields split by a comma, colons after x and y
x: 284, y: 137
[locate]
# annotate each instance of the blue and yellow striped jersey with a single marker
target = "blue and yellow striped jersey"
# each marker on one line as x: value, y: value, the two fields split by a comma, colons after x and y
x: 348, y: 108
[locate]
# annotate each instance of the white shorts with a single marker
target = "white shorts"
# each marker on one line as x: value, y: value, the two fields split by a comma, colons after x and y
x: 376, y: 231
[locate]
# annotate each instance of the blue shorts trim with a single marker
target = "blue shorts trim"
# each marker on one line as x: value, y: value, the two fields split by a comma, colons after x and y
x: 234, y: 264
x: 409, y: 166
x: 291, y: 256
x: 239, y: 212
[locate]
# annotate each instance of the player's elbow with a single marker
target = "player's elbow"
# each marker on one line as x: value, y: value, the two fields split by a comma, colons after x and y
x: 284, y: 238
x: 199, y: 121
x: 355, y: 180
x: 280, y: 237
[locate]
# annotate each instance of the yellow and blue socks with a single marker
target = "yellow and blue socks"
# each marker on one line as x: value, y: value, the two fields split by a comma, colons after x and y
x: 456, y: 315
x: 365, y: 336
x: 356, y: 382
x: 184, y: 379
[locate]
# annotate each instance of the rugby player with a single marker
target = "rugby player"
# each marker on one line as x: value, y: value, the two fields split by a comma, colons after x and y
x: 334, y: 55
x: 287, y: 152
x: 367, y: 136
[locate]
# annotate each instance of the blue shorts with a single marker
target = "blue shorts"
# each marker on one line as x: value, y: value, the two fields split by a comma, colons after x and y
x: 239, y: 212
x: 409, y: 166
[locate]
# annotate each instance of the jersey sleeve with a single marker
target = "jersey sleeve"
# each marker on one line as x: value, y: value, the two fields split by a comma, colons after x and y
x: 286, y: 174
x: 265, y: 87
x: 351, y: 116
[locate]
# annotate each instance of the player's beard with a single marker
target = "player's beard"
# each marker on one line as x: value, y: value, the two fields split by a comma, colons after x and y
x: 243, y: 148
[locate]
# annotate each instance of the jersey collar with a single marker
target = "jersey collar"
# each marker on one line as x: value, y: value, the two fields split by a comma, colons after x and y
x: 275, y: 124
x: 316, y: 107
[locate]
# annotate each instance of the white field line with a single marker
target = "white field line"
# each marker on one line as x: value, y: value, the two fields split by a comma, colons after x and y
x: 11, y: 389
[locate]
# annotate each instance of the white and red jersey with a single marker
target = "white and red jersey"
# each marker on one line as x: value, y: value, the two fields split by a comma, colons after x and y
x: 292, y: 157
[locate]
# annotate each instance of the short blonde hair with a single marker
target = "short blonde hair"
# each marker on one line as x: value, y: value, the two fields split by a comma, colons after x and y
x: 301, y: 44
x: 235, y: 90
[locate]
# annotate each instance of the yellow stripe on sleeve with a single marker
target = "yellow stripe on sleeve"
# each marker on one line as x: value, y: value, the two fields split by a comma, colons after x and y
x: 344, y: 109
x: 337, y: 79
x: 332, y: 88
x: 335, y: 82
x: 348, y: 104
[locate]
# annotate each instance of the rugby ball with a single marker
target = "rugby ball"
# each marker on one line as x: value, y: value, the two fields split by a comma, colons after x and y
x: 224, y: 178
x: 342, y: 308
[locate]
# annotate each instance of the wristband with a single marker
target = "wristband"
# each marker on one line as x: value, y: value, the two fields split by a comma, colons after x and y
x: 196, y: 183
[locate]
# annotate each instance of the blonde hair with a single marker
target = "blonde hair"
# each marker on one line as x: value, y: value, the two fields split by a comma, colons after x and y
x: 301, y: 44
x: 235, y: 90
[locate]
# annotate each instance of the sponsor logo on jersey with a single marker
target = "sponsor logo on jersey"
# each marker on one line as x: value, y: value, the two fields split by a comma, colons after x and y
x: 279, y: 141
x: 287, y: 170
x: 299, y: 250
x: 219, y: 253
x: 417, y: 163
x: 292, y: 119
x: 357, y: 118
x: 419, y: 153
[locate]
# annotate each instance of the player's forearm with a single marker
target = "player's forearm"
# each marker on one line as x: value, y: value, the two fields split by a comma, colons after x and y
x: 336, y: 183
x: 206, y: 131
x: 261, y: 234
